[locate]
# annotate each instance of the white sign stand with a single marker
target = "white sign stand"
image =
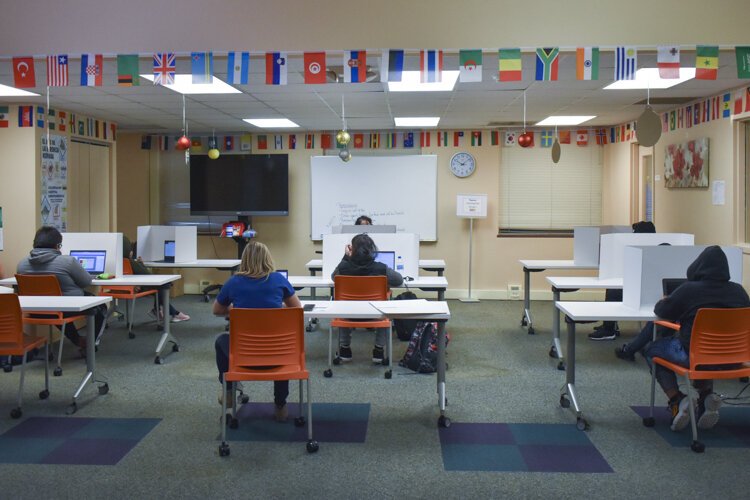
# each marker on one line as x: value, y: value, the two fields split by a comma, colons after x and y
x: 471, y: 206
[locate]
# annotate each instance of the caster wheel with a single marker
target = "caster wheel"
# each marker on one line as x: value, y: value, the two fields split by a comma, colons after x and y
x: 531, y: 330
x: 385, y: 362
x: 71, y: 409
x: 561, y: 366
x: 308, y: 328
x: 299, y: 421
x: 328, y: 373
x: 524, y: 322
x: 564, y: 402
x: 234, y: 423
x: 223, y: 447
x: 336, y: 361
x: 648, y: 421
x: 175, y: 348
x: 131, y: 335
x: 158, y: 360
x: 582, y: 424
x: 16, y: 413
x: 103, y: 389
x: 744, y: 380
x: 312, y: 446
x: 44, y: 394
x: 389, y: 374
x: 444, y: 421
x: 244, y: 399
x: 552, y: 352
x: 697, y: 447
x: 57, y: 372
x: 8, y: 368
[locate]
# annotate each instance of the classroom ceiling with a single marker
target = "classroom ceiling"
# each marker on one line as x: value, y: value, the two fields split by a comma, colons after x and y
x: 154, y: 109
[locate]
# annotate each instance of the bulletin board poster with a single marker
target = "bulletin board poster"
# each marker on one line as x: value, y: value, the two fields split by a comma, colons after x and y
x: 54, y: 200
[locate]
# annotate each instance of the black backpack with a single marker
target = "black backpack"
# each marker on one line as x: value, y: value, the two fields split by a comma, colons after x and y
x: 421, y: 354
x: 405, y: 327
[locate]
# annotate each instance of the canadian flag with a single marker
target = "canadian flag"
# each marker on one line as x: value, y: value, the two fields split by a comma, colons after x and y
x: 582, y: 137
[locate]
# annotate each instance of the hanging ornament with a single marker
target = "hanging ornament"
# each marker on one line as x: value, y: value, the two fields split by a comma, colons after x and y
x: 556, y: 151
x: 213, y: 151
x: 183, y: 143
x: 525, y: 140
x: 345, y: 154
x: 343, y: 137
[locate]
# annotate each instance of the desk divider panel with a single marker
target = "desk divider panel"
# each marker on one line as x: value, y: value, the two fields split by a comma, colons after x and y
x: 151, y: 242
x: 406, y: 245
x: 611, y: 257
x: 111, y: 242
x: 586, y: 242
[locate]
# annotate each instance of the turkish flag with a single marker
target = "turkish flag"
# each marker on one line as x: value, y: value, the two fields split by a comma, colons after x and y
x: 23, y: 72
x: 315, y: 67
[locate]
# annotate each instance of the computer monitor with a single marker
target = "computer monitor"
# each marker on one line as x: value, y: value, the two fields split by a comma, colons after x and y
x: 284, y: 273
x: 669, y: 285
x: 383, y: 228
x: 169, y: 249
x: 387, y: 258
x: 92, y: 261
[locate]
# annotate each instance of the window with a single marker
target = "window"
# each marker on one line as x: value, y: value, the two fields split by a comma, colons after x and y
x: 538, y: 196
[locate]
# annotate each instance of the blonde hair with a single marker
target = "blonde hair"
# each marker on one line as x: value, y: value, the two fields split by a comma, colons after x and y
x: 256, y: 261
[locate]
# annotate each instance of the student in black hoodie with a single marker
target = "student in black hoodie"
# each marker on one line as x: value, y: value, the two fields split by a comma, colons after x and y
x: 359, y: 260
x: 708, y: 285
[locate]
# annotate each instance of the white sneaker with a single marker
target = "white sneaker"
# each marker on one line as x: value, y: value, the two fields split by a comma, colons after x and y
x: 180, y: 317
x: 680, y: 414
x: 710, y: 415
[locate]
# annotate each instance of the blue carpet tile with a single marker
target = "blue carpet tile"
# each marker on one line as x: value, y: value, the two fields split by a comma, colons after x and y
x: 732, y: 431
x: 519, y: 448
x: 74, y: 441
x: 332, y: 423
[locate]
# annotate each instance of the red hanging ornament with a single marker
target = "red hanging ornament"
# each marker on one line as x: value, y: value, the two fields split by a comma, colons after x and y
x: 525, y: 140
x: 183, y: 143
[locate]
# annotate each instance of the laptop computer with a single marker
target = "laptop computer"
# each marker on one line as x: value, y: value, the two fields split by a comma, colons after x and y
x: 169, y: 249
x: 387, y: 258
x: 669, y: 285
x: 284, y: 273
x: 92, y: 261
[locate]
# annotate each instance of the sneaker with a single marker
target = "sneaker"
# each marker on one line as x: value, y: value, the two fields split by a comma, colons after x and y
x: 603, y: 335
x: 624, y: 353
x: 378, y: 355
x: 229, y: 395
x: 680, y: 412
x: 708, y: 411
x: 179, y: 317
x: 345, y: 353
x: 280, y: 413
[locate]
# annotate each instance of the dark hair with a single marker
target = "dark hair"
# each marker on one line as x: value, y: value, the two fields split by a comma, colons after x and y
x: 127, y: 247
x: 363, y: 248
x: 363, y: 220
x: 47, y: 237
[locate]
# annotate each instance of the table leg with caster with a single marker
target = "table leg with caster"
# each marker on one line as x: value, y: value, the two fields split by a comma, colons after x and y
x: 568, y: 391
x: 166, y: 335
x: 90, y: 376
x: 556, y: 349
x: 443, y: 420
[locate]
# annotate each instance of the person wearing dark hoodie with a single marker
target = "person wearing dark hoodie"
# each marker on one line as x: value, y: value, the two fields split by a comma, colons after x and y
x: 708, y: 285
x: 46, y: 258
x: 359, y: 260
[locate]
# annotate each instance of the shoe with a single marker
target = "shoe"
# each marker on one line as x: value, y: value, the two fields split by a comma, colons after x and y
x: 624, y: 353
x: 708, y: 411
x: 152, y: 313
x: 603, y: 335
x: 229, y: 396
x: 378, y: 356
x: 280, y: 413
x: 345, y: 353
x: 179, y: 317
x: 680, y: 413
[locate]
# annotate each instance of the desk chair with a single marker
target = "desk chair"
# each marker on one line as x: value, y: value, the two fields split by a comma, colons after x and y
x: 46, y: 285
x: 719, y: 337
x: 13, y: 342
x: 266, y: 344
x: 129, y: 295
x: 360, y: 288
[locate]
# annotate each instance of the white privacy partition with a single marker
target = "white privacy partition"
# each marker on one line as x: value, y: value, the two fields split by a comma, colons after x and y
x: 586, y: 241
x: 612, y: 248
x: 648, y: 265
x: 151, y: 242
x: 109, y: 242
x: 405, y: 245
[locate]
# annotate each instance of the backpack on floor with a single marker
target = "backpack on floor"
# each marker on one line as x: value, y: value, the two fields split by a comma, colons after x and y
x: 421, y: 354
x: 405, y: 327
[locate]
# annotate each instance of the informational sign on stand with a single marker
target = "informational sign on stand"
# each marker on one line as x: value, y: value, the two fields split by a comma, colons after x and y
x: 53, y: 208
x: 472, y: 206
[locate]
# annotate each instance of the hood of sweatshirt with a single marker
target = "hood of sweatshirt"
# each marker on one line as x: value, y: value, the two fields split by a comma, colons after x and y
x: 711, y: 265
x: 42, y: 255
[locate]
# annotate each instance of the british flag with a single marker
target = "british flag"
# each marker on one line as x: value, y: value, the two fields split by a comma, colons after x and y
x: 164, y: 68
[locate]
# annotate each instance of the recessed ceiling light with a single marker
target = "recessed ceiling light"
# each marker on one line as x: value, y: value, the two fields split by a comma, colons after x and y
x: 271, y: 122
x: 417, y: 121
x: 184, y: 85
x: 648, y: 78
x: 410, y: 83
x: 6, y: 91
x: 565, y: 120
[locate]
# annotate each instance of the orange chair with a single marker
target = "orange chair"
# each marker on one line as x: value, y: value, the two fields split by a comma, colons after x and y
x: 719, y: 337
x: 360, y: 288
x: 45, y: 284
x: 266, y: 344
x: 13, y: 342
x: 128, y: 294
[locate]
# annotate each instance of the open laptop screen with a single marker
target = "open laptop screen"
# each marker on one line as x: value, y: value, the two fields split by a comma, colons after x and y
x: 669, y: 285
x: 169, y: 251
x: 387, y: 258
x: 284, y: 273
x: 91, y: 260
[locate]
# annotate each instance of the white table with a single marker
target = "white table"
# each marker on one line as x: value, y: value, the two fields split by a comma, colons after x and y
x: 396, y: 309
x: 5, y: 289
x: 86, y: 304
x: 535, y: 266
x: 427, y: 283
x: 591, y: 311
x: 434, y: 265
x: 228, y: 264
x: 571, y: 283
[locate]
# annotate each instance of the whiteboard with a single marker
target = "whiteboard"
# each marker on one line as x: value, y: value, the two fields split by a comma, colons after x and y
x: 398, y: 190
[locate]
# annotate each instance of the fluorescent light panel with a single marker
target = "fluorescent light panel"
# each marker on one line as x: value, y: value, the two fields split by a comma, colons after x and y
x: 6, y: 91
x: 271, y: 122
x: 648, y: 78
x: 410, y: 83
x: 183, y: 84
x: 565, y: 120
x: 417, y: 121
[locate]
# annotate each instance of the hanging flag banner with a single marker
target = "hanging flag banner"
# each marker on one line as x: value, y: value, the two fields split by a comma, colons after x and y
x: 164, y: 68
x: 743, y: 61
x: 431, y: 65
x: 315, y: 67
x: 546, y: 64
x: 238, y: 68
x: 706, y: 62
x: 355, y: 66
x: 127, y: 70
x: 202, y: 66
x: 91, y: 70
x: 276, y: 68
x: 391, y: 65
x: 470, y: 66
x: 668, y: 62
x: 509, y: 65
x: 57, y: 70
x: 23, y: 72
x: 54, y: 181
x: 587, y: 63
x: 626, y: 63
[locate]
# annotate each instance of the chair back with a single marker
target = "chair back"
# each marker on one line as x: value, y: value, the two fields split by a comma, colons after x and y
x: 266, y: 337
x: 360, y: 288
x: 719, y: 337
x: 11, y: 324
x: 38, y: 284
x: 127, y: 268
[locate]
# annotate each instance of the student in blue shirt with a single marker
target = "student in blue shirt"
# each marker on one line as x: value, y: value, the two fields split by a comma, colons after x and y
x: 254, y: 286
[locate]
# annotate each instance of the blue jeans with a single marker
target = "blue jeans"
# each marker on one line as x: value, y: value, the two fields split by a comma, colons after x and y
x: 671, y: 349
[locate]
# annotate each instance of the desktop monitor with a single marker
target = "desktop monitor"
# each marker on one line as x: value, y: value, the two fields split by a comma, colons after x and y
x: 92, y: 261
x: 387, y: 258
x: 169, y: 249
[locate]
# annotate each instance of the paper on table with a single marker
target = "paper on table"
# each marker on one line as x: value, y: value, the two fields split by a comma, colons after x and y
x: 410, y: 307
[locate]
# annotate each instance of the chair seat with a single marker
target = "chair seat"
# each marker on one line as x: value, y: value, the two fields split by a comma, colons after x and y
x: 348, y: 323
x: 743, y: 371
x: 285, y: 372
x: 126, y: 292
x: 60, y: 320
x: 29, y: 343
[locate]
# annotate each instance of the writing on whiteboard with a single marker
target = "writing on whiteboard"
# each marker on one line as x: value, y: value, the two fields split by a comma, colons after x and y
x: 348, y: 213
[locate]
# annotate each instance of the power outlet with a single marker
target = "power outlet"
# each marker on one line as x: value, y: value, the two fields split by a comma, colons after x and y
x: 514, y: 292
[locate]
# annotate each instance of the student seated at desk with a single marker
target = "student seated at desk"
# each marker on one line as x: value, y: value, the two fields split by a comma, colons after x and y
x: 254, y: 286
x: 708, y: 285
x: 359, y: 260
x: 363, y: 220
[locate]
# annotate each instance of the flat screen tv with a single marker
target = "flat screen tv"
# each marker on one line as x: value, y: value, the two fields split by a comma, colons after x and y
x: 239, y: 185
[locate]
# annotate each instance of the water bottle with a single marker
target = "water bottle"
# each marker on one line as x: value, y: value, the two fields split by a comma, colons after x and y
x: 400, y: 264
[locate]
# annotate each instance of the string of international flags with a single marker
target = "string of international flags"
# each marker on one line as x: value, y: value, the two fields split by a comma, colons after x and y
x: 470, y: 63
